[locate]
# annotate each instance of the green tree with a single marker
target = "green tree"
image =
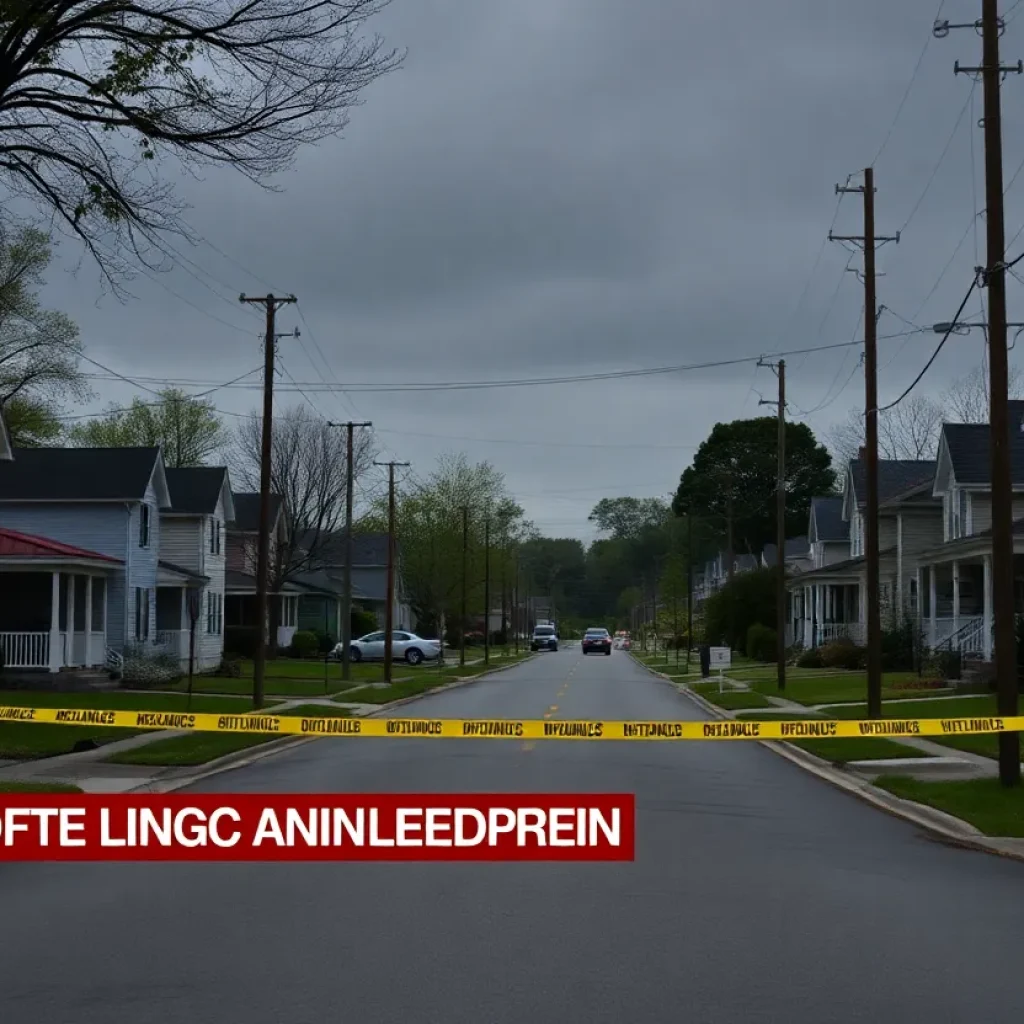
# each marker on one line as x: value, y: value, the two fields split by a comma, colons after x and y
x: 748, y: 599
x: 428, y: 520
x: 39, y: 348
x: 628, y: 518
x: 740, y: 459
x: 97, y: 95
x: 188, y: 429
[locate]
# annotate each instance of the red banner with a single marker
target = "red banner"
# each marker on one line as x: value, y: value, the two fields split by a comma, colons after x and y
x: 318, y: 827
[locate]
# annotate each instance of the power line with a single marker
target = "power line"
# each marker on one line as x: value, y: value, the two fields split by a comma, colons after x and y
x: 938, y: 349
x: 414, y: 387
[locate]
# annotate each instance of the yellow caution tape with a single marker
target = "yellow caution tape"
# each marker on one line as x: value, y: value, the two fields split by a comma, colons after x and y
x: 500, y: 728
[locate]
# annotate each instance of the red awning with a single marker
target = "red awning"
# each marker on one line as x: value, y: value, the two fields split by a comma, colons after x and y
x: 27, y: 545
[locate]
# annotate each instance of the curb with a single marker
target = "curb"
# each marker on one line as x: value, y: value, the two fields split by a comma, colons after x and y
x: 243, y: 759
x: 946, y: 827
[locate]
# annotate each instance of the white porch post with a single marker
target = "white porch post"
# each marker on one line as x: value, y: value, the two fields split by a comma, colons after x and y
x: 805, y: 611
x: 932, y: 624
x: 956, y: 595
x: 56, y: 655
x: 70, y: 641
x: 987, y: 607
x: 89, y: 660
x: 819, y: 607
x: 182, y: 620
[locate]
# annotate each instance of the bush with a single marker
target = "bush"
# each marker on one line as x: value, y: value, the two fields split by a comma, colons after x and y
x: 363, y: 622
x: 677, y: 642
x: 811, y: 658
x: 241, y: 641
x: 142, y: 669
x: 762, y: 643
x: 843, y: 653
x: 304, y: 644
x: 325, y: 642
x: 229, y: 667
x: 949, y: 664
x: 899, y: 647
x: 748, y: 599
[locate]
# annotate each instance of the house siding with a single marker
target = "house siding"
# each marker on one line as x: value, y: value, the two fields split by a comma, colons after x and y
x: 210, y: 646
x: 181, y: 541
x: 97, y: 527
x: 142, y: 565
x: 981, y: 510
x: 886, y: 532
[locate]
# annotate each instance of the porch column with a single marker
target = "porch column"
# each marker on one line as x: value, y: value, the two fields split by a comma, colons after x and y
x: 56, y: 655
x: 69, y: 655
x: 89, y: 660
x: 956, y: 596
x: 932, y: 624
x: 819, y: 610
x: 806, y: 611
x: 183, y: 621
x: 987, y: 607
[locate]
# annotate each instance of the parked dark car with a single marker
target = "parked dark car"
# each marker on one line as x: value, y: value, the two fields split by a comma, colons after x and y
x: 597, y: 640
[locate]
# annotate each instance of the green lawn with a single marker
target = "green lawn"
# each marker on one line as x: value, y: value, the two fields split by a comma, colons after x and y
x: 732, y: 700
x: 983, y: 802
x: 296, y: 669
x: 842, y: 751
x: 201, y: 747
x: 28, y: 740
x: 38, y: 787
x: 839, y: 689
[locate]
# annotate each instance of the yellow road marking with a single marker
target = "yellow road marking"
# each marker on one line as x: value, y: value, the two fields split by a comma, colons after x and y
x: 529, y: 745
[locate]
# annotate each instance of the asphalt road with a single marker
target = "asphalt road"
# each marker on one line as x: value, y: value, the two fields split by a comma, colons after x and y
x: 758, y: 894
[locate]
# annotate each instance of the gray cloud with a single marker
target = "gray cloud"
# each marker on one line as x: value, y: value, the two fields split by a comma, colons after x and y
x: 564, y: 186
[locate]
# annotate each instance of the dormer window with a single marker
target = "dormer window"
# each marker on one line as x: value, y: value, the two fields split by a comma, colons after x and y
x: 215, y: 537
x: 144, y: 525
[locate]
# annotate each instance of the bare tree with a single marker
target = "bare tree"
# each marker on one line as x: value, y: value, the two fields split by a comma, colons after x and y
x: 308, y: 469
x: 909, y: 430
x: 95, y: 93
x: 966, y: 400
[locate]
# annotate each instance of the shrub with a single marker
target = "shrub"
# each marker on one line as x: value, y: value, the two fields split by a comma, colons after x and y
x: 899, y: 647
x: 363, y: 622
x: 326, y: 642
x: 750, y: 597
x: 143, y: 669
x: 811, y: 658
x: 762, y: 643
x: 229, y: 667
x: 949, y: 664
x: 842, y: 653
x: 304, y: 644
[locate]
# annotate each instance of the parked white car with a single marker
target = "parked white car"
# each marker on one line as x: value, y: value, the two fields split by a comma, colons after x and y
x: 404, y: 646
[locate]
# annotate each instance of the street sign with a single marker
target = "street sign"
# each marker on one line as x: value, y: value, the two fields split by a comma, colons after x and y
x: 721, y: 657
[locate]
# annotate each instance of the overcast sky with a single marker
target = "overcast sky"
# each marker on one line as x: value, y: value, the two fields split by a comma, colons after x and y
x: 560, y: 187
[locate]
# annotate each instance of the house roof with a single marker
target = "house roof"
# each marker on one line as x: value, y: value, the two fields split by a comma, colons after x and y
x: 247, y: 511
x: 28, y: 545
x: 796, y: 547
x: 969, y: 448
x: 182, y: 571
x: 321, y: 579
x: 197, y: 489
x: 895, y: 477
x: 5, y: 438
x: 82, y: 474
x: 244, y: 582
x: 827, y: 513
x: 367, y: 548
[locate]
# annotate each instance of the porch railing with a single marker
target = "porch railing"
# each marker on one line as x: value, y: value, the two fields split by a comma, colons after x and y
x: 25, y: 650
x: 829, y: 631
x: 968, y: 639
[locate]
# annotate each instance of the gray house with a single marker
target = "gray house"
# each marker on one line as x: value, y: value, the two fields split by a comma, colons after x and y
x: 80, y: 559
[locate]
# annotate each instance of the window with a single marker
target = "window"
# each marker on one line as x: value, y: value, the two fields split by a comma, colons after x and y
x: 141, y: 613
x: 144, y: 526
x: 215, y: 537
x: 289, y: 611
x: 214, y: 613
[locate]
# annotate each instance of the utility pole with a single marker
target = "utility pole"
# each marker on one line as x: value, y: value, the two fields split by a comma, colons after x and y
x: 271, y: 304
x: 994, y: 276
x: 689, y: 588
x: 868, y: 242
x: 346, y: 600
x: 487, y: 591
x: 389, y: 611
x: 515, y: 604
x: 780, y: 524
x: 465, y: 556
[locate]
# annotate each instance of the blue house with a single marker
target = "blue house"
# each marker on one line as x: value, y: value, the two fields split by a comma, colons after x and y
x: 80, y: 554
